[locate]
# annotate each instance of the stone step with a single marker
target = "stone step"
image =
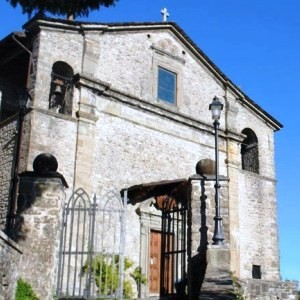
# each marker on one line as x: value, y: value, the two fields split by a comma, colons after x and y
x: 217, y: 285
x: 216, y: 295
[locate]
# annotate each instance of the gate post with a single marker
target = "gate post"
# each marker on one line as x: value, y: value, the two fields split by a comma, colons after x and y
x: 38, y: 222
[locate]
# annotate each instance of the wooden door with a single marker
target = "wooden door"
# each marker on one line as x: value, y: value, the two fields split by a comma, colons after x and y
x: 155, y: 260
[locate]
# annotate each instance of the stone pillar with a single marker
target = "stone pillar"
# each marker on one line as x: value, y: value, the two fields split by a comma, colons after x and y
x: 38, y: 224
x: 210, y: 264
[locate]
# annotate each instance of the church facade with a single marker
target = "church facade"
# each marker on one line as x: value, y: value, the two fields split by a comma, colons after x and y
x: 125, y: 104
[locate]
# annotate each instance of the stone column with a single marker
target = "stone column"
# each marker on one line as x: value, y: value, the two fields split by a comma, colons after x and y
x: 38, y: 224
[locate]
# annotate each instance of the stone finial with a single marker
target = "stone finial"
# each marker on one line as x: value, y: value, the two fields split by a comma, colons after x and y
x: 205, y: 166
x: 45, y: 163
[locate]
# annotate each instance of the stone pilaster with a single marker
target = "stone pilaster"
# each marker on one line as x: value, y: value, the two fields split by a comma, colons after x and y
x: 233, y: 165
x: 85, y: 141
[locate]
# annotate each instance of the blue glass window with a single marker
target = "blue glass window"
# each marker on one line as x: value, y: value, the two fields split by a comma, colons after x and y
x: 166, y: 86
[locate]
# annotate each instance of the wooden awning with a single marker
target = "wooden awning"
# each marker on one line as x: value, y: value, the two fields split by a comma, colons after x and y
x: 174, y: 188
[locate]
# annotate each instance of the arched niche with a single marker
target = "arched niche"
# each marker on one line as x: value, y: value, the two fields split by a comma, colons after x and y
x: 249, y: 151
x: 61, y: 88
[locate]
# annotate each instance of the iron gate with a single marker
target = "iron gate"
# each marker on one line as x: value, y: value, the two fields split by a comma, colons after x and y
x: 173, y: 281
x: 91, y: 256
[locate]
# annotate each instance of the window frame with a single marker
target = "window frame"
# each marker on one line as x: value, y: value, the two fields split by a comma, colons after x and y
x: 171, y: 63
x: 172, y: 90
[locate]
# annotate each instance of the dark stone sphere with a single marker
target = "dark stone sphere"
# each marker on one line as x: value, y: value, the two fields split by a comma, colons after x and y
x: 205, y: 166
x: 45, y: 163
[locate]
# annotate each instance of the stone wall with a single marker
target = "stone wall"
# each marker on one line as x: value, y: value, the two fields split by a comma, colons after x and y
x: 55, y: 134
x: 10, y: 255
x: 270, y: 290
x: 134, y: 138
x: 8, y: 137
x: 253, y: 206
x: 258, y: 226
x: 128, y: 63
x: 8, y: 98
x: 39, y: 219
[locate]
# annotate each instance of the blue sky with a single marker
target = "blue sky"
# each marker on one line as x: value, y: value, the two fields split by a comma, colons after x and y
x: 256, y: 43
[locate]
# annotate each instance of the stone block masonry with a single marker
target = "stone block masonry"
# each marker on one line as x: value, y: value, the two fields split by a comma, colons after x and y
x: 271, y: 290
x: 10, y: 255
x: 8, y: 139
x: 39, y: 216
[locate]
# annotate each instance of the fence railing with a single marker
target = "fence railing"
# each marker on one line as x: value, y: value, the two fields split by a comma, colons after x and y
x: 91, y: 256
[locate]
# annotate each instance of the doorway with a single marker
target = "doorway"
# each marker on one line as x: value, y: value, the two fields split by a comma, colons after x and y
x: 156, y: 261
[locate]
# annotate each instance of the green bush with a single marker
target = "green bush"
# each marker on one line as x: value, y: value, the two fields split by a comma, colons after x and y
x: 105, y: 272
x: 238, y: 290
x: 138, y: 276
x: 24, y: 291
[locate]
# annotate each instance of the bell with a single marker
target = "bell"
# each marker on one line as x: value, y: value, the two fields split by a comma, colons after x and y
x: 57, y: 91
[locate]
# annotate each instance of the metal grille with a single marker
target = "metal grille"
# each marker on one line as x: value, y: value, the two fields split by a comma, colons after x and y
x: 173, y: 250
x: 91, y: 257
x: 249, y: 151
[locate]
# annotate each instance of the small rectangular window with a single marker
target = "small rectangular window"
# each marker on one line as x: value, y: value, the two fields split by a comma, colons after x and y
x: 256, y: 272
x: 166, y: 86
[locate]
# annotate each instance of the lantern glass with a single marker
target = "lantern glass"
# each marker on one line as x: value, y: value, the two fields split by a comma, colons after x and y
x: 216, y: 107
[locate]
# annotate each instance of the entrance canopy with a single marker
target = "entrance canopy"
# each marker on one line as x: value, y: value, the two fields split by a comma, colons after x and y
x: 173, y: 188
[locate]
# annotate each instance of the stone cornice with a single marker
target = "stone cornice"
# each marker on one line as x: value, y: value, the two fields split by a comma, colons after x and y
x: 97, y: 86
x: 105, y: 89
x: 85, y: 116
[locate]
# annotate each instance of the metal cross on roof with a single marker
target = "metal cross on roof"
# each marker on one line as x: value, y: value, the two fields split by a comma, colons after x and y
x: 165, y: 14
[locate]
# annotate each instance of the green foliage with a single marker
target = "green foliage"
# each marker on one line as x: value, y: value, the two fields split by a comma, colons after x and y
x: 238, y: 290
x: 138, y: 276
x: 24, y: 291
x: 105, y: 272
x: 75, y: 8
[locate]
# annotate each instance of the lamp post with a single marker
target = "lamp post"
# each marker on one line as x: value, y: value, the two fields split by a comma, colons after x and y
x: 216, y: 107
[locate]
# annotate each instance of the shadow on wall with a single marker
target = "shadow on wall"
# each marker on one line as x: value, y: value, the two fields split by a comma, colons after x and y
x: 45, y: 166
x: 9, y: 138
x: 198, y: 263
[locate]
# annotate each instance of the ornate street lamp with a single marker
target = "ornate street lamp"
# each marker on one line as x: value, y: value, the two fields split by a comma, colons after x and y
x: 216, y: 107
